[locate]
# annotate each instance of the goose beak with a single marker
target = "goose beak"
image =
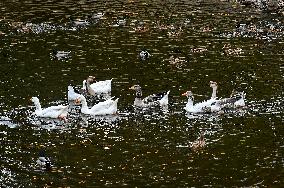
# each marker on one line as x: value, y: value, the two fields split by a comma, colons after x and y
x: 132, y: 88
x: 184, y: 94
x: 77, y: 101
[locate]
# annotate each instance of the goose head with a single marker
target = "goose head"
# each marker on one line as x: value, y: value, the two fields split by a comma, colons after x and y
x: 213, y: 84
x: 138, y: 90
x: 92, y: 78
x: 190, y: 98
x: 188, y: 94
x: 70, y: 88
x: 35, y: 100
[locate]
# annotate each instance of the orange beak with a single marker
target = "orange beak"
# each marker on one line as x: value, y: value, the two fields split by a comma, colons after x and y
x: 132, y: 88
x: 77, y: 101
x: 184, y: 94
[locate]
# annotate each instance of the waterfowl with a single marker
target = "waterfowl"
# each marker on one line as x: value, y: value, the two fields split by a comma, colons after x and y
x: 177, y: 61
x: 199, y: 143
x: 161, y: 99
x: 199, y: 107
x: 80, y: 22
x: 59, y: 111
x: 118, y: 23
x: 61, y: 54
x: 228, y: 50
x: 235, y: 100
x: 72, y: 95
x: 141, y: 29
x: 98, y: 15
x: 107, y: 107
x: 144, y: 55
x: 240, y: 96
x: 43, y: 161
x: 97, y: 88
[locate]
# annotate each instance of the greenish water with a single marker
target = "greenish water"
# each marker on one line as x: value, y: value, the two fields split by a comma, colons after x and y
x: 141, y: 148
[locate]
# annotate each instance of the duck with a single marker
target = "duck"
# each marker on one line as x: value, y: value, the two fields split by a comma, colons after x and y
x: 199, y: 143
x: 97, y: 88
x: 161, y: 99
x: 144, y: 55
x: 54, y: 112
x: 71, y: 94
x: 107, y: 107
x: 43, y: 161
x: 98, y: 15
x: 60, y: 55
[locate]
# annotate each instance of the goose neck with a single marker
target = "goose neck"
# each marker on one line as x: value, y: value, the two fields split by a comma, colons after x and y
x: 189, y: 102
x: 138, y: 93
x: 37, y: 105
x: 214, y: 92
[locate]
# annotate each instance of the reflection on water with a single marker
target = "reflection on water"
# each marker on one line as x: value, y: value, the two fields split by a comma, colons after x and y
x: 190, y: 43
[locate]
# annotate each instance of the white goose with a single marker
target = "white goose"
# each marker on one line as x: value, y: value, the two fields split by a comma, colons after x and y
x: 199, y: 107
x: 205, y: 105
x: 161, y: 99
x: 72, y: 95
x: 59, y: 111
x: 235, y: 100
x: 97, y: 88
x: 107, y: 107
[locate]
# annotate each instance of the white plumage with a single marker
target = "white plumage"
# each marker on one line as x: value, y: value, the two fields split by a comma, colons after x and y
x: 107, y: 107
x: 59, y: 111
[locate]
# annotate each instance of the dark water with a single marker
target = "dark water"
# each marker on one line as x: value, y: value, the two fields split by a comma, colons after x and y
x: 148, y: 148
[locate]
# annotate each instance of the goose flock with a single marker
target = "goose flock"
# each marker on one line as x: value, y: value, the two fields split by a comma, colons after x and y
x: 91, y: 87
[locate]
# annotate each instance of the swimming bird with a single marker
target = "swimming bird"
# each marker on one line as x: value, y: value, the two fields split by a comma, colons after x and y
x: 236, y: 99
x: 199, y: 143
x: 198, y: 107
x: 144, y: 55
x: 107, y: 107
x: 97, y: 88
x: 43, y: 161
x: 161, y: 99
x: 59, y: 111
x: 61, y: 54
x: 240, y: 96
x: 98, y: 15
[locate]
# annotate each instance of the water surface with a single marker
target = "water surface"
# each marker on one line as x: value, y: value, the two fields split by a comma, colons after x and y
x: 236, y: 46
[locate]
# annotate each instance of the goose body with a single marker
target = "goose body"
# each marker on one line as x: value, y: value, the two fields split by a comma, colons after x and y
x: 198, y: 107
x: 59, y: 111
x: 97, y: 88
x: 235, y: 100
x: 210, y: 105
x: 161, y: 99
x: 72, y: 95
x: 107, y: 107
x: 241, y: 101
